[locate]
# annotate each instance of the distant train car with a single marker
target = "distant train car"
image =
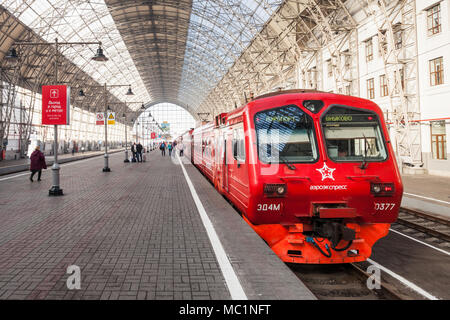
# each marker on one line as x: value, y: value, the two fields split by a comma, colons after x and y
x: 313, y: 173
x: 187, y: 141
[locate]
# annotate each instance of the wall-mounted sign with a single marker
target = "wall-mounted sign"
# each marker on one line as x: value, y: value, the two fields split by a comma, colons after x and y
x: 153, y: 135
x: 55, y: 105
x: 111, y: 118
x: 100, y: 118
x: 165, y: 126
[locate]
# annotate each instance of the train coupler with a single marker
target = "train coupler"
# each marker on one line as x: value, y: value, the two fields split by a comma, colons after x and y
x: 333, y: 231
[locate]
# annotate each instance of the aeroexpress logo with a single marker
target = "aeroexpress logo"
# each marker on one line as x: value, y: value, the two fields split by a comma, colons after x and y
x: 326, y: 172
x: 54, y: 93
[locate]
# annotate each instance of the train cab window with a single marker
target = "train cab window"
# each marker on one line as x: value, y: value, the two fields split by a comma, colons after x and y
x: 285, y: 134
x: 353, y: 135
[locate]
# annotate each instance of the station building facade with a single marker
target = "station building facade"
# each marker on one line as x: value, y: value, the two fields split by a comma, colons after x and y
x: 418, y: 49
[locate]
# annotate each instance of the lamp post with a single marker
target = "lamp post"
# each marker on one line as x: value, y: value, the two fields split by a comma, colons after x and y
x: 105, y: 87
x: 55, y: 190
x: 126, y: 139
x: 124, y: 116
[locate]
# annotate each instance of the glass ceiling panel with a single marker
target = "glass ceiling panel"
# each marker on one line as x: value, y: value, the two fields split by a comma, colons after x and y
x: 84, y: 21
x: 219, y: 32
x: 147, y: 36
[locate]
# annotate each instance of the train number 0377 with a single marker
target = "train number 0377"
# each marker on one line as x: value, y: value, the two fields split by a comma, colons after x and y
x: 384, y: 206
x: 268, y: 207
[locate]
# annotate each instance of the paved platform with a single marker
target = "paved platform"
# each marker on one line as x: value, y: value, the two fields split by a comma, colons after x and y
x: 13, y: 166
x: 135, y: 233
x: 428, y: 193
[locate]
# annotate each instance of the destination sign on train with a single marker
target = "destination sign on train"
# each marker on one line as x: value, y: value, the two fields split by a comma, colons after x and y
x: 348, y: 118
x: 282, y: 119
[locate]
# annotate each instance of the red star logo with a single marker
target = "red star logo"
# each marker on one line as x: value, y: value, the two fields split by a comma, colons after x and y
x: 326, y: 172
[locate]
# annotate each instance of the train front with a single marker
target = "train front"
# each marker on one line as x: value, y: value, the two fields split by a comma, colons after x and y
x: 325, y: 183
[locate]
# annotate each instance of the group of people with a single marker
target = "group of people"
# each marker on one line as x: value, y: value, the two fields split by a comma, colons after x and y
x: 136, y: 150
x: 171, y: 146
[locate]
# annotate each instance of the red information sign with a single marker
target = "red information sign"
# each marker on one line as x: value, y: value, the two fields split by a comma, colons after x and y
x: 153, y: 135
x: 55, y: 105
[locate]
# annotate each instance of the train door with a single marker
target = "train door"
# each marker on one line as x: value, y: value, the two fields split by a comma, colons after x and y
x: 238, y: 168
x: 223, y: 163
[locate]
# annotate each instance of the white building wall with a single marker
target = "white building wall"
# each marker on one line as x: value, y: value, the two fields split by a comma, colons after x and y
x: 434, y: 100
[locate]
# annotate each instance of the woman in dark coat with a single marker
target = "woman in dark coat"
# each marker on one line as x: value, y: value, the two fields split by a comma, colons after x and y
x: 37, y: 159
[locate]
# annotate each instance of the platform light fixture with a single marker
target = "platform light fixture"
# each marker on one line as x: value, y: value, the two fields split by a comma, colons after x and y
x: 100, y: 56
x: 12, y: 55
x: 129, y: 92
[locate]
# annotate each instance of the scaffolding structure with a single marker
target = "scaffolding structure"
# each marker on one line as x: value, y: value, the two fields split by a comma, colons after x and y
x: 290, y: 50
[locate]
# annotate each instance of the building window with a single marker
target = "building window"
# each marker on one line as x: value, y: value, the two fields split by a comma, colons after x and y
x: 370, y: 89
x: 347, y: 58
x: 382, y: 42
x: 348, y: 89
x: 312, y: 78
x: 436, y: 71
x: 369, y: 50
x: 384, y: 91
x: 329, y: 68
x: 434, y: 20
x: 438, y: 140
x: 402, y: 80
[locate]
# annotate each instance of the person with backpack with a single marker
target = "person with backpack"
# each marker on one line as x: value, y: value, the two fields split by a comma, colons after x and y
x: 37, y: 163
x: 162, y: 147
x: 139, y: 152
x: 169, y: 146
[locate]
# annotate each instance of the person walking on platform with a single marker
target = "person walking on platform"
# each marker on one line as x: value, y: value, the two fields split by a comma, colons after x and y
x: 133, y: 151
x: 162, y: 147
x: 37, y: 163
x: 181, y: 148
x: 169, y: 146
x: 139, y: 152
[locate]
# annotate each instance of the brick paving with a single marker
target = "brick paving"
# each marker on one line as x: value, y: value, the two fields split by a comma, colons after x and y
x: 135, y: 233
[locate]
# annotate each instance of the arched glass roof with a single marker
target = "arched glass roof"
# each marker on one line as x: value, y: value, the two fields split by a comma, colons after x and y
x: 178, y: 118
x: 167, y: 50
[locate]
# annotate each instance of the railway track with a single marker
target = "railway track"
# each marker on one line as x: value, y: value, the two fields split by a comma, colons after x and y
x: 341, y: 282
x: 349, y: 281
x: 426, y: 223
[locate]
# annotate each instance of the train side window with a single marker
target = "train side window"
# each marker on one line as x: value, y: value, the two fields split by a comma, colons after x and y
x: 239, y: 145
x: 234, y: 144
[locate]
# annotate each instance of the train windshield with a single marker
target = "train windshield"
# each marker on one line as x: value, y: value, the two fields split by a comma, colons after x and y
x: 285, y: 134
x: 353, y: 135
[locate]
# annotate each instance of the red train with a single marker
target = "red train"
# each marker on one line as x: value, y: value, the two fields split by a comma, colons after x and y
x: 313, y: 173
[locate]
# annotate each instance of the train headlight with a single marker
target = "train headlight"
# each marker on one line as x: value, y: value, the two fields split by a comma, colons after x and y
x: 376, y: 188
x: 382, y: 189
x: 281, y: 190
x: 275, y: 190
